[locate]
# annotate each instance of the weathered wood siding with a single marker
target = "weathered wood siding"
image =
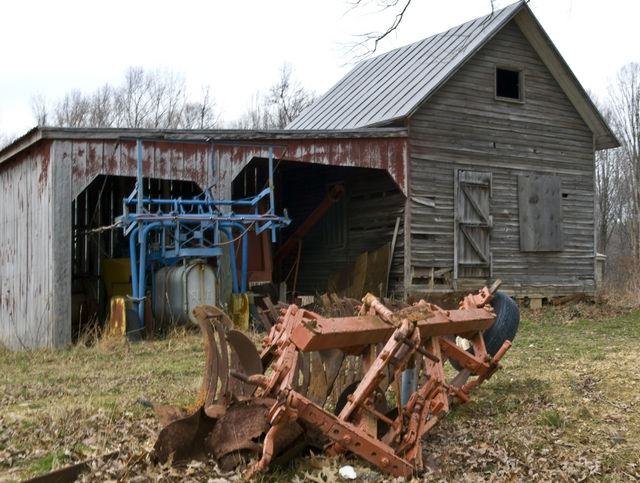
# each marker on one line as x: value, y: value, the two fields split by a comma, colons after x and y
x: 463, y: 127
x: 28, y: 301
x: 160, y: 160
x: 388, y: 153
x: 362, y: 221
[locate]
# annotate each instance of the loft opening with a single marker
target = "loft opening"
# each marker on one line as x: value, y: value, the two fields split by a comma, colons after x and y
x: 509, y: 84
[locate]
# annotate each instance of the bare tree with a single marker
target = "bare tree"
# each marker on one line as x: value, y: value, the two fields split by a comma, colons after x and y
x: 146, y: 99
x: 199, y: 115
x: 611, y: 194
x: 73, y: 110
x: 131, y: 99
x: 39, y: 109
x: 102, y: 107
x: 256, y: 116
x: 286, y: 99
x: 624, y: 100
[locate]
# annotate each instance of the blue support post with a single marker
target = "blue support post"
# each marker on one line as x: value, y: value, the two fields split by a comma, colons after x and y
x: 245, y: 251
x: 139, y: 184
x: 194, y: 223
x: 142, y: 274
x: 272, y: 208
x: 134, y: 263
x: 232, y: 260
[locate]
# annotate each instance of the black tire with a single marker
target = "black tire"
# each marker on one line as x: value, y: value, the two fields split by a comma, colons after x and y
x: 504, y: 328
x: 506, y: 324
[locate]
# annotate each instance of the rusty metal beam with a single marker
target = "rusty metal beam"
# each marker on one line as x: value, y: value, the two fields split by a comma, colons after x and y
x: 317, y: 333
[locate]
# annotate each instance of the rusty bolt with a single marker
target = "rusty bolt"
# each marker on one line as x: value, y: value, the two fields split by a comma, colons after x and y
x: 346, y: 439
x: 384, y: 461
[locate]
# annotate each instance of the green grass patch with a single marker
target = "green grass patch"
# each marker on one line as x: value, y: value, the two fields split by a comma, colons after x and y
x: 551, y: 417
x: 46, y: 464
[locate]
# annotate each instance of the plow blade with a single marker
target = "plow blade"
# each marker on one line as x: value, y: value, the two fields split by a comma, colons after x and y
x: 263, y: 404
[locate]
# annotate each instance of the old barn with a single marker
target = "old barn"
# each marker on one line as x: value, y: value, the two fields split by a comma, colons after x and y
x: 471, y: 153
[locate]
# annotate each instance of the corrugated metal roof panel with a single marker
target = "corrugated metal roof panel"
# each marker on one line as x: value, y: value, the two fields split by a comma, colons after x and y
x: 390, y: 86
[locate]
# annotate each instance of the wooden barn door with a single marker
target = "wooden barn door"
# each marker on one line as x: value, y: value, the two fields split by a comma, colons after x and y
x: 473, y: 222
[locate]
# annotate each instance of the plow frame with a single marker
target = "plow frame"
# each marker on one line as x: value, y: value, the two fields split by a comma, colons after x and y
x: 389, y: 343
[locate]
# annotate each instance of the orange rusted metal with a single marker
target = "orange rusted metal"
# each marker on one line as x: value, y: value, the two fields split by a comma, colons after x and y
x: 289, y: 382
x: 390, y: 441
x: 317, y: 333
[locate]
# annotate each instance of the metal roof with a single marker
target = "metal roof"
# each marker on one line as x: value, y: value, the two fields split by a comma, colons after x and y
x: 39, y: 133
x: 390, y: 86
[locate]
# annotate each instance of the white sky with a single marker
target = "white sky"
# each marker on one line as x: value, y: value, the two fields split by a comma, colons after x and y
x: 238, y: 46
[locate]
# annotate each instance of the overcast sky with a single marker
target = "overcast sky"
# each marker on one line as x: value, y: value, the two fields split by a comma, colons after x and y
x: 238, y: 46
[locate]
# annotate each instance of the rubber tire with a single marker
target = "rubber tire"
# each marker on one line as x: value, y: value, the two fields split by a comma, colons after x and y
x: 504, y: 328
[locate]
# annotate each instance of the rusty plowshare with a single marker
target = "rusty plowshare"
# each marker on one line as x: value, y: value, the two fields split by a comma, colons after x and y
x: 480, y: 140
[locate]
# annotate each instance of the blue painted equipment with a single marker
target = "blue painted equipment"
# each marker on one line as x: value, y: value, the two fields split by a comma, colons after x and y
x: 191, y: 228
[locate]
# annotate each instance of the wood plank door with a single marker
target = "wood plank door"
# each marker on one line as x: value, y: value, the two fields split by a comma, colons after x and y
x: 472, y: 225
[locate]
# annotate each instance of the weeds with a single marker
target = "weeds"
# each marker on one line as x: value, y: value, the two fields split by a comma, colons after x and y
x: 551, y: 417
x: 564, y: 407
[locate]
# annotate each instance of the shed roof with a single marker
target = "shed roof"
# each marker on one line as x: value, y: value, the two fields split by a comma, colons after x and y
x: 214, y: 135
x: 391, y: 86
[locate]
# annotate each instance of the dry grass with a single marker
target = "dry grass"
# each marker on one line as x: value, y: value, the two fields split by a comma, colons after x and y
x: 622, y: 282
x: 566, y: 407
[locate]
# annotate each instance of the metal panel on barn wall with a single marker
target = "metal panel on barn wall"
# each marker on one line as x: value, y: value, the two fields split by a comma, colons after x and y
x: 473, y: 222
x: 539, y: 204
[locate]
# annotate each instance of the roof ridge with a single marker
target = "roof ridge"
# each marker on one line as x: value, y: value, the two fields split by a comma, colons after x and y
x: 387, y: 86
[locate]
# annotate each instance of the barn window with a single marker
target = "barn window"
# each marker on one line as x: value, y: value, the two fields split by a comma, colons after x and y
x: 540, y: 207
x: 509, y: 84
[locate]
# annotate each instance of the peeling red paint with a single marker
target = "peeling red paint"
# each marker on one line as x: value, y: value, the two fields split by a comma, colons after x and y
x: 190, y: 162
x: 92, y: 158
x: 44, y: 167
x: 110, y: 160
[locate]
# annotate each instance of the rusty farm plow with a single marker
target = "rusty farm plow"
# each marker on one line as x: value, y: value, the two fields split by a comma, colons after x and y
x: 294, y: 394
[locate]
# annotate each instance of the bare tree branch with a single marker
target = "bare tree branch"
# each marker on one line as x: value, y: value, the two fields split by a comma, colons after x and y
x: 369, y: 41
x: 286, y: 100
x: 39, y: 109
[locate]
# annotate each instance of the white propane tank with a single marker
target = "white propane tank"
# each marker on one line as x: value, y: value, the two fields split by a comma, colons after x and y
x: 178, y: 289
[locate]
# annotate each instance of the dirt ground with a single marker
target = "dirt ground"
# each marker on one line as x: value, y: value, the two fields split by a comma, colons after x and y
x: 566, y: 407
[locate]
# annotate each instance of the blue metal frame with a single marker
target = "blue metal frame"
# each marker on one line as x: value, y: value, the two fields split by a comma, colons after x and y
x: 190, y: 228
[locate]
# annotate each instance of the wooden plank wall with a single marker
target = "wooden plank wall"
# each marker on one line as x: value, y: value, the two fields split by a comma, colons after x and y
x: 26, y: 266
x: 161, y: 160
x: 462, y: 126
